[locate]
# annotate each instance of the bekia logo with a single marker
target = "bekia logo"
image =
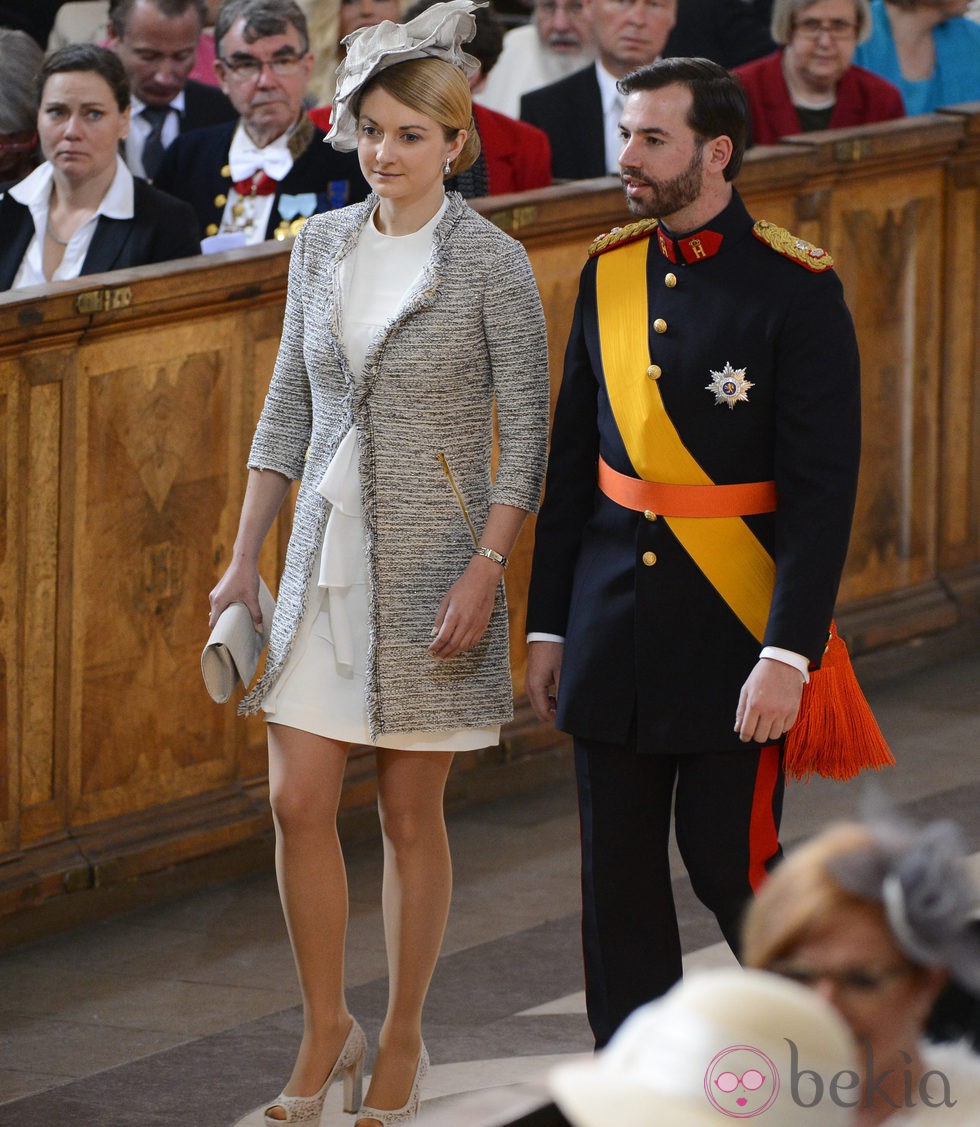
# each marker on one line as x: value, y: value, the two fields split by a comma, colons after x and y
x: 741, y: 1082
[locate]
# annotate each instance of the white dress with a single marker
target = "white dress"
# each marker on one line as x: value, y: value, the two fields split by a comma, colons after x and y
x: 321, y: 689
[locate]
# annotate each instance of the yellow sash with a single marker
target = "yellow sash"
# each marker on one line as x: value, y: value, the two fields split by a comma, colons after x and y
x: 724, y: 548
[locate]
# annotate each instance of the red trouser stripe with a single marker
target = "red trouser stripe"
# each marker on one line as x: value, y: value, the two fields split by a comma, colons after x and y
x: 763, y: 834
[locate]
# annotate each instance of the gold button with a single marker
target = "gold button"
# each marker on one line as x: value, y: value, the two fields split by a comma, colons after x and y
x: 238, y: 210
x: 670, y: 280
x: 211, y: 229
x: 655, y: 371
x: 649, y: 558
x: 650, y: 515
x: 660, y: 325
x: 226, y: 170
x: 220, y: 200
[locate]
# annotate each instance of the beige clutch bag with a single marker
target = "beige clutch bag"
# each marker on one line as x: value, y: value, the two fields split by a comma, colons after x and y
x: 233, y: 650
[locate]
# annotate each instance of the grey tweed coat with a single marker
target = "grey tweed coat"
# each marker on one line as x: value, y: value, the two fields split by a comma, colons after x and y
x: 470, y: 336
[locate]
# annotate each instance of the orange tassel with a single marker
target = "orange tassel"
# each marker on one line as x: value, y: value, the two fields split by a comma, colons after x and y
x: 835, y: 734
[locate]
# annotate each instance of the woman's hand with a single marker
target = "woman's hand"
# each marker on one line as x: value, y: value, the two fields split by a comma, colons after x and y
x: 239, y: 584
x: 464, y: 613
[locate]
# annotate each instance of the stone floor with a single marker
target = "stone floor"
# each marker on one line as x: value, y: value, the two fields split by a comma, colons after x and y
x: 187, y: 1012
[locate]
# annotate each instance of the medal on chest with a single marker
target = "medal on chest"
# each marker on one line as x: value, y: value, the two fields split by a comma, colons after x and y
x: 729, y: 386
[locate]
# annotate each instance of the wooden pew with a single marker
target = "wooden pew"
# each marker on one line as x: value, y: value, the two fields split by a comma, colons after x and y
x: 128, y: 402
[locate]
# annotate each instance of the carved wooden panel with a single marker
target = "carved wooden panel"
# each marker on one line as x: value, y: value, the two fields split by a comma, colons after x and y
x: 9, y: 566
x: 881, y: 234
x: 959, y: 522
x: 46, y: 376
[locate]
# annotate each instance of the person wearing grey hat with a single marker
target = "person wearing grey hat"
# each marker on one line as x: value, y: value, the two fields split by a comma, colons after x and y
x: 410, y: 321
x: 877, y: 918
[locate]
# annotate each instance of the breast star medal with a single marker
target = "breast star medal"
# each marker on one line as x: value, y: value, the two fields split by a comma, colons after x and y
x: 729, y: 386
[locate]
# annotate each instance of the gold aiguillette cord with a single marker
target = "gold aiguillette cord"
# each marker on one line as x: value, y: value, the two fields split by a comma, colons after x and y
x: 459, y: 497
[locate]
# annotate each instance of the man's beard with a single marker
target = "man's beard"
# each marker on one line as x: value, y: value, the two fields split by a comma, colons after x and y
x: 667, y: 196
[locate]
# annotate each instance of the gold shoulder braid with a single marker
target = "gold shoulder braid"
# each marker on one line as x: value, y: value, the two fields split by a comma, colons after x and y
x: 788, y: 245
x: 301, y: 138
x: 619, y: 236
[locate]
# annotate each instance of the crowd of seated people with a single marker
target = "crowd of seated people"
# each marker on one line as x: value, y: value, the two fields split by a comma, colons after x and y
x: 225, y: 106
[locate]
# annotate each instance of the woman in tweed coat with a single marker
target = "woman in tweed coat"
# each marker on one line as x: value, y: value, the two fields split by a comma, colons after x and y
x: 468, y: 338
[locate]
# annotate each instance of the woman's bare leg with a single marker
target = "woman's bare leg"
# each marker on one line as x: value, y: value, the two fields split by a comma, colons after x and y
x: 306, y: 776
x: 415, y: 900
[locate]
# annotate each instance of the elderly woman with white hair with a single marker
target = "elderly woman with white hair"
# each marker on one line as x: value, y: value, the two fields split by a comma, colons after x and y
x: 812, y: 83
x: 20, y: 60
x: 927, y: 49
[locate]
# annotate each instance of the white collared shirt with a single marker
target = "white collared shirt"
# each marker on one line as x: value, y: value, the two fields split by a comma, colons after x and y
x: 34, y: 192
x: 612, y: 111
x: 245, y: 158
x: 139, y: 130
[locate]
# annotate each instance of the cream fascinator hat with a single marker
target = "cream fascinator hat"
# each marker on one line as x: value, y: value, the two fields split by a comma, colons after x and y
x: 721, y: 1046
x: 436, y: 33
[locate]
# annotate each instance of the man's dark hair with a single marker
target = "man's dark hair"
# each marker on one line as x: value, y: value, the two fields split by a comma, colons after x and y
x: 718, y: 102
x: 262, y: 19
x: 121, y: 10
x: 86, y: 57
x: 485, y: 45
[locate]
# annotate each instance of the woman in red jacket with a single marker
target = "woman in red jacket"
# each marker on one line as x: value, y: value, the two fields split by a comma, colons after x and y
x: 811, y: 83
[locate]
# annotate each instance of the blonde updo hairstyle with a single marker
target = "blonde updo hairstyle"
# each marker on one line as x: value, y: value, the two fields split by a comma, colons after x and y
x: 440, y: 91
x: 802, y: 900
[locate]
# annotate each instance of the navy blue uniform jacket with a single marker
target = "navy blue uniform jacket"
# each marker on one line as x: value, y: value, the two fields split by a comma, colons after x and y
x: 191, y: 170
x: 656, y: 646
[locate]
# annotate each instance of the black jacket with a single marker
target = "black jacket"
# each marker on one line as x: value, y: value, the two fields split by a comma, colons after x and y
x: 204, y: 106
x: 162, y: 228
x: 570, y: 112
x: 729, y: 32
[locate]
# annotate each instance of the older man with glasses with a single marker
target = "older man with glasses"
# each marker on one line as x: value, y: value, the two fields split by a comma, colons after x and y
x: 264, y: 175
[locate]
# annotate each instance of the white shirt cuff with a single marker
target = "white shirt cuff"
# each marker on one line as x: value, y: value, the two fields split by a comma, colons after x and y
x: 787, y: 657
x: 539, y: 637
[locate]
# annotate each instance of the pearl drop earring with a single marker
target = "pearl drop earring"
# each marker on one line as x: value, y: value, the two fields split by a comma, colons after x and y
x: 447, y: 168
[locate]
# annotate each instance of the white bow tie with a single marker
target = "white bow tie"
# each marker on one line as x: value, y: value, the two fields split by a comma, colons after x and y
x: 274, y: 161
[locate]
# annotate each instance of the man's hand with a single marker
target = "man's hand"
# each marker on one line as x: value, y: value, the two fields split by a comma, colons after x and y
x: 543, y: 675
x: 769, y: 701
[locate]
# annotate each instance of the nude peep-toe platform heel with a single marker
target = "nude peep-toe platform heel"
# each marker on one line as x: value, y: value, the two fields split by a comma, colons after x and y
x: 308, y: 1109
x: 411, y: 1108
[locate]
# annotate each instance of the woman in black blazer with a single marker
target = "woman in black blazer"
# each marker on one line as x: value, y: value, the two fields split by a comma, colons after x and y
x: 81, y: 211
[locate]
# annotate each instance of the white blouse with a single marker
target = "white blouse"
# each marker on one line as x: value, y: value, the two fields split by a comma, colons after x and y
x: 34, y: 192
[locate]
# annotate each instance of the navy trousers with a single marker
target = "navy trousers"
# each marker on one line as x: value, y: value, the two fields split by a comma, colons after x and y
x: 727, y: 808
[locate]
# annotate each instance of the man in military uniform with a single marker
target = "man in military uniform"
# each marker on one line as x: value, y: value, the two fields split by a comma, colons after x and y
x: 265, y: 174
x: 695, y: 522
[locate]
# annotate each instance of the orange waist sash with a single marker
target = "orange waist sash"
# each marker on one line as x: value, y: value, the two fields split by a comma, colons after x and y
x: 667, y: 500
